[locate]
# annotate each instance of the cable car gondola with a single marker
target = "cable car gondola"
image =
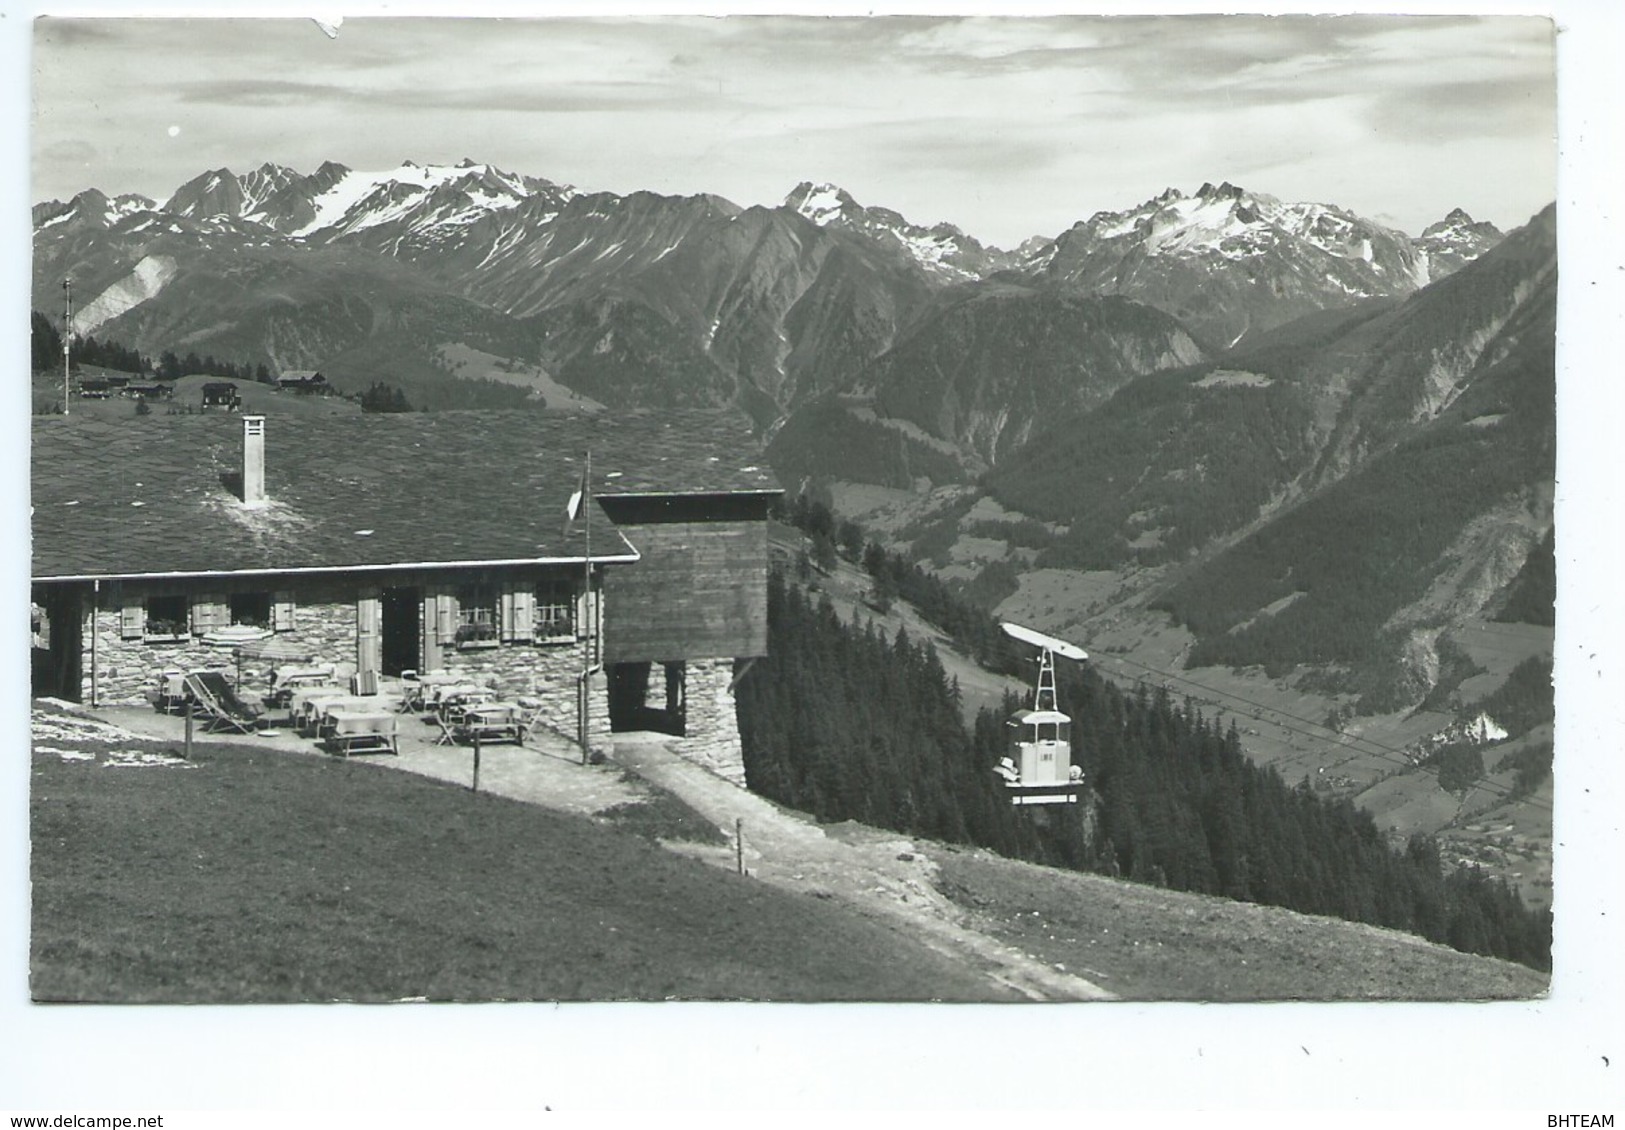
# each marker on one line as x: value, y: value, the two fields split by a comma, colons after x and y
x: 1039, y: 769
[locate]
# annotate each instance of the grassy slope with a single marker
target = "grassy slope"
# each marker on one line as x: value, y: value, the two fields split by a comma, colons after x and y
x: 1145, y: 943
x: 263, y: 877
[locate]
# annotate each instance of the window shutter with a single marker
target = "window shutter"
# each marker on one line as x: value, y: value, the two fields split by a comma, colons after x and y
x: 587, y: 614
x: 367, y: 652
x: 519, y: 611
x: 431, y: 632
x: 282, y: 612
x: 445, y: 617
x: 132, y: 623
x: 505, y: 615
x: 583, y: 615
x: 208, y: 613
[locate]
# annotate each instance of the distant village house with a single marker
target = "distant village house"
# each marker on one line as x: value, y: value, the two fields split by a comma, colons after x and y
x: 222, y: 394
x: 304, y: 381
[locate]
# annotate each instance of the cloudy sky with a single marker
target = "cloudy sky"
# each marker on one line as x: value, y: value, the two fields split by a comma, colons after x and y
x: 1008, y: 127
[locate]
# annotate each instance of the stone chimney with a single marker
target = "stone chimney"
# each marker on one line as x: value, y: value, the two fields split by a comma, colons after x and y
x: 253, y: 460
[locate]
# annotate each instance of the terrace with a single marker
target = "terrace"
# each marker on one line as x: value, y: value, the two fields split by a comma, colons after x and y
x: 544, y: 768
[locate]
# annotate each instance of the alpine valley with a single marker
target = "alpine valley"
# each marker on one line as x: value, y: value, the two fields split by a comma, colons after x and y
x: 1275, y: 456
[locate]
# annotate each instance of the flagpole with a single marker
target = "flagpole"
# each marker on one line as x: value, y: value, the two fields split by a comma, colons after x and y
x: 586, y: 608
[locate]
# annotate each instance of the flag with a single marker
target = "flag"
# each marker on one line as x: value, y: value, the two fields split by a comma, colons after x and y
x: 577, y: 503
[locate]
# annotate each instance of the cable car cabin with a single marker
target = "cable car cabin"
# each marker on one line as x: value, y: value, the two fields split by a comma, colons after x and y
x: 1039, y: 769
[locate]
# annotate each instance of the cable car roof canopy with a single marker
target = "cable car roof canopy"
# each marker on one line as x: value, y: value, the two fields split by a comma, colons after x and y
x: 1038, y: 717
x: 1048, y: 643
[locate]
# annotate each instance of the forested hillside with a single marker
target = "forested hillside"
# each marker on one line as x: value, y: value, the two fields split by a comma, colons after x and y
x: 846, y: 724
x: 1370, y: 545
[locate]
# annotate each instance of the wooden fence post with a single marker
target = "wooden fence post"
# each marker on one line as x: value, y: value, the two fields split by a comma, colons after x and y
x: 188, y: 754
x: 739, y: 844
x: 476, y: 758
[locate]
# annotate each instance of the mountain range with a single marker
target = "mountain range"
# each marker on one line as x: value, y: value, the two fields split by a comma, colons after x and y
x: 1192, y: 385
x: 643, y: 298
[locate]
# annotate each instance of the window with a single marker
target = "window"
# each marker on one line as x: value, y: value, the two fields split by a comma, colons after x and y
x: 251, y: 609
x: 555, y: 612
x: 167, y: 618
x: 477, y: 616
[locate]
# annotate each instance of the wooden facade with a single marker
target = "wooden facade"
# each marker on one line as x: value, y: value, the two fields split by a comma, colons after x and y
x: 699, y: 590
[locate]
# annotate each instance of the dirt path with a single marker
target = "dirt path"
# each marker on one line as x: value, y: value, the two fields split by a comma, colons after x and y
x: 881, y: 875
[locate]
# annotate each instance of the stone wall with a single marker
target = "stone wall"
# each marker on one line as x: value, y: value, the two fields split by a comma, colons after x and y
x: 548, y: 673
x: 713, y: 724
x: 325, y: 623
x: 126, y: 671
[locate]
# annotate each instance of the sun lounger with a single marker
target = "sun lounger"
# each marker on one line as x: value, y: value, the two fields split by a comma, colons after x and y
x: 211, y: 693
x: 347, y: 730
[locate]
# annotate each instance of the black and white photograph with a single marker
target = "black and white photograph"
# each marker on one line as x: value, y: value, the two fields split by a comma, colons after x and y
x: 1062, y: 511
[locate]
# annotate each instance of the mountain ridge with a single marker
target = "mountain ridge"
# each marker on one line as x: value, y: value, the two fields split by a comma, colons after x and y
x: 646, y: 299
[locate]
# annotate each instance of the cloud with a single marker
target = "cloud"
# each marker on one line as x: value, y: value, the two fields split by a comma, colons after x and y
x: 947, y: 147
x: 72, y: 150
x: 1450, y: 111
x: 987, y: 122
x: 59, y: 32
x: 509, y: 96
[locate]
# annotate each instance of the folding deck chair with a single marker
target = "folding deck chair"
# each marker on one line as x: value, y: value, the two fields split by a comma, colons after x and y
x: 212, y: 692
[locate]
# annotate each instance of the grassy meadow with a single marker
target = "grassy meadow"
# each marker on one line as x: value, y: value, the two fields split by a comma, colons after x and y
x: 249, y: 875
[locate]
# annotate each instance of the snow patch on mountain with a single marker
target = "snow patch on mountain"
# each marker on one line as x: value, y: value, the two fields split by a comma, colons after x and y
x: 60, y: 218
x: 942, y: 251
x: 1236, y: 224
x: 361, y: 200
x: 149, y: 277
x: 820, y: 203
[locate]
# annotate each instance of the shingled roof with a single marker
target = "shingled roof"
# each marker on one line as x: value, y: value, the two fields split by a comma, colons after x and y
x: 149, y: 495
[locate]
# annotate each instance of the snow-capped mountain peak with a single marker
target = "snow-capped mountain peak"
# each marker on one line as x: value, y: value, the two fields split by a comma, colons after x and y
x: 1189, y: 249
x: 422, y: 201
x: 821, y: 203
x: 941, y: 250
x: 1458, y: 224
x: 1454, y: 241
x: 92, y: 207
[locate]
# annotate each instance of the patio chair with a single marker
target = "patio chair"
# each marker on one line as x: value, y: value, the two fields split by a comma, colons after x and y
x: 411, y: 693
x: 170, y: 697
x: 223, y: 710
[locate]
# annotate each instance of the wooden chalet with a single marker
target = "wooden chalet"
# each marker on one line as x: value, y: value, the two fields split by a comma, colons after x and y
x: 415, y: 541
x: 221, y: 394
x: 307, y: 382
